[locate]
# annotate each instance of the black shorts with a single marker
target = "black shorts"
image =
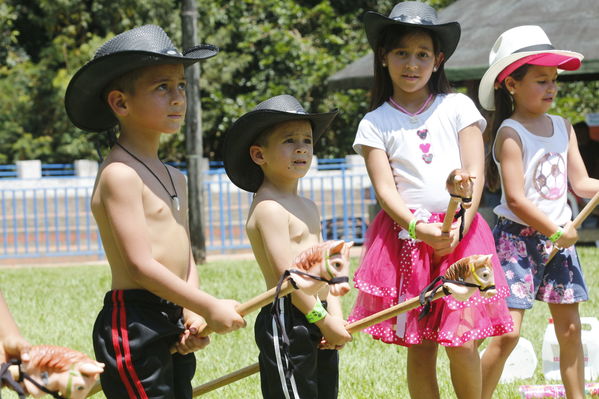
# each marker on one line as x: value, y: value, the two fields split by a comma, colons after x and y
x: 315, y: 372
x: 132, y: 336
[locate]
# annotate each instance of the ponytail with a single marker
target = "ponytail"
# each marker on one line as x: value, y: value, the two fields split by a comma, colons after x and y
x: 504, y: 108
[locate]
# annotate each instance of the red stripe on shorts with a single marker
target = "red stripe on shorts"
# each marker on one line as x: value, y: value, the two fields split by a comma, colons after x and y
x: 125, y: 339
x: 116, y: 308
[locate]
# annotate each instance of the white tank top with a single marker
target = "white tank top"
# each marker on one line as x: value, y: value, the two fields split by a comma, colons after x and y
x: 545, y: 161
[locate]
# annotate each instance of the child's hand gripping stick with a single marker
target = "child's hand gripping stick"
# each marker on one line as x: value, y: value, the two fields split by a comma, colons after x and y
x: 460, y: 187
x: 577, y: 222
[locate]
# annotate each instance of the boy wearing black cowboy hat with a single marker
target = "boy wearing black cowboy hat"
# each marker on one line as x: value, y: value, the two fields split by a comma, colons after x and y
x: 267, y: 151
x: 136, y: 81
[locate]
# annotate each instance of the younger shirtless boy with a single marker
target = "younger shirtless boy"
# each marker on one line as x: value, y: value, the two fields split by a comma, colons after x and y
x: 136, y: 81
x: 267, y: 151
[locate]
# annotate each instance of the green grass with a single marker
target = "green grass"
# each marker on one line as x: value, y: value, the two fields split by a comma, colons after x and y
x: 59, y: 305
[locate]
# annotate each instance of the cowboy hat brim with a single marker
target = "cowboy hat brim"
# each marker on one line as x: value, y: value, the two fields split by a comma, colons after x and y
x: 83, y: 99
x: 486, y: 89
x: 448, y: 33
x: 240, y: 167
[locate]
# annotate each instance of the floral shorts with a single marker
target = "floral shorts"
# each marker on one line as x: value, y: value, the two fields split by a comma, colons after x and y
x: 523, y: 252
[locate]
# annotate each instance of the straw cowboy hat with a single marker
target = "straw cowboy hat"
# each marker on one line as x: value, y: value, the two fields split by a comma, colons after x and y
x: 515, y: 47
x: 139, y: 47
x: 240, y: 168
x: 413, y: 14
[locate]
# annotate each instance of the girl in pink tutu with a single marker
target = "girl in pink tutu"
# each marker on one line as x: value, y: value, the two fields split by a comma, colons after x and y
x: 417, y: 132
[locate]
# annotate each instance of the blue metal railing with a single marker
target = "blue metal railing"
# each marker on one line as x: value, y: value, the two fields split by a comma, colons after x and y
x: 8, y: 171
x: 57, y: 221
x: 58, y: 169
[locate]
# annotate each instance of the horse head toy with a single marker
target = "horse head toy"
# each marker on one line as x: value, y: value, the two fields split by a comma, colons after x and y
x: 56, y: 370
x: 474, y: 272
x: 460, y: 186
x: 329, y: 262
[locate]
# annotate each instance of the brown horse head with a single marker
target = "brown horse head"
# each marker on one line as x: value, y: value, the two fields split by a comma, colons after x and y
x: 329, y: 259
x: 460, y: 184
x: 474, y: 269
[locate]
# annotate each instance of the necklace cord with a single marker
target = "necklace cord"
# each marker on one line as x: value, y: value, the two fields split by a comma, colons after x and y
x: 175, y: 196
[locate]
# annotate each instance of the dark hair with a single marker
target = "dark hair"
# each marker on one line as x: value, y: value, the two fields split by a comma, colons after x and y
x: 388, y: 40
x: 504, y: 108
x: 124, y: 83
x: 262, y: 137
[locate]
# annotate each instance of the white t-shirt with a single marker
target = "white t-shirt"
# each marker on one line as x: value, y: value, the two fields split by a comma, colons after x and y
x: 423, y: 152
x: 545, y: 161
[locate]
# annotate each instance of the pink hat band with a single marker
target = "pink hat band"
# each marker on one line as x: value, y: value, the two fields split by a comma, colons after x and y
x: 544, y: 59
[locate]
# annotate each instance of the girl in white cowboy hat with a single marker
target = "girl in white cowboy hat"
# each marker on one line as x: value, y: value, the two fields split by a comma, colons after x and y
x: 535, y: 155
x: 415, y: 134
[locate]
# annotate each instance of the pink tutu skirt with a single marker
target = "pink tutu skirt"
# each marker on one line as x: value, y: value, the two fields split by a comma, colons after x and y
x: 393, y: 270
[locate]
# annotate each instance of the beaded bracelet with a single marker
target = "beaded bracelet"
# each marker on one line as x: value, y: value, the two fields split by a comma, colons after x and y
x: 412, y: 228
x: 317, y: 313
x: 557, y: 235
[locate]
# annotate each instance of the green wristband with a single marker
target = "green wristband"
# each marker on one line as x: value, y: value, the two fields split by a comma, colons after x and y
x: 412, y: 228
x: 317, y: 313
x: 557, y: 235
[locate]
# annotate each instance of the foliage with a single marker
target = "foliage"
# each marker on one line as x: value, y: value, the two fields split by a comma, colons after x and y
x: 268, y: 47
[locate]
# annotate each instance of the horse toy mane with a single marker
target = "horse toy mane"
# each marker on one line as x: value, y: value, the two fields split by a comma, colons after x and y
x: 462, y: 279
x: 62, y: 372
x: 328, y: 260
x: 476, y: 271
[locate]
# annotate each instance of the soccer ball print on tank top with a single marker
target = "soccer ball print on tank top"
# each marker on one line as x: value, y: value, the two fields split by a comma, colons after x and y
x: 550, y: 176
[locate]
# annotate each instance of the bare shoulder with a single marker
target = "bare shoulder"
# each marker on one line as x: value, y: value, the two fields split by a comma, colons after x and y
x: 265, y: 210
x: 506, y: 133
x: 114, y: 176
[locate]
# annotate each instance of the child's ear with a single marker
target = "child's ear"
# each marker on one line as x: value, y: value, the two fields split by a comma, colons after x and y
x: 510, y: 84
x: 116, y: 102
x: 257, y: 154
x: 383, y: 58
x: 439, y: 60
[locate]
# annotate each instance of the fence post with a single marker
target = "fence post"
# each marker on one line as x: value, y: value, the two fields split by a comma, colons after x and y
x: 30, y: 169
x: 86, y: 168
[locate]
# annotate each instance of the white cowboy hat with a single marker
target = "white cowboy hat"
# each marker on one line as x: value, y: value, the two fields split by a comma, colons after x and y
x: 515, y: 47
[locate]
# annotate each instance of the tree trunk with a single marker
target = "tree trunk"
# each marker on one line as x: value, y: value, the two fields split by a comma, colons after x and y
x: 193, y: 136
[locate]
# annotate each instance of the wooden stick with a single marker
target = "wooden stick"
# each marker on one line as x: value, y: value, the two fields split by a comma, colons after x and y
x: 226, y: 379
x: 351, y: 328
x: 586, y: 211
x: 388, y: 313
x: 448, y: 219
x: 258, y: 302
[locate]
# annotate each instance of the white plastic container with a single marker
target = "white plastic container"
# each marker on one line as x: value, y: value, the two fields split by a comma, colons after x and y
x: 590, y: 347
x: 521, y: 363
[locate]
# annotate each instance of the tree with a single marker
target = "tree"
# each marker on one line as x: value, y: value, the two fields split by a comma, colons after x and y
x: 268, y: 47
x: 193, y: 136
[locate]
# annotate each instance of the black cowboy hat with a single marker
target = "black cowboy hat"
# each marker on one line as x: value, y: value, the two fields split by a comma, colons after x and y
x: 240, y: 168
x: 139, y: 47
x: 413, y: 14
